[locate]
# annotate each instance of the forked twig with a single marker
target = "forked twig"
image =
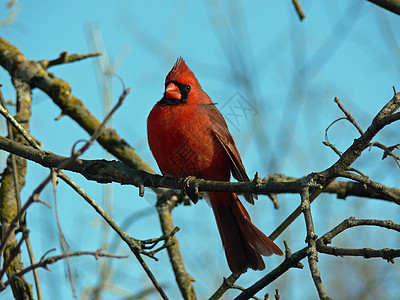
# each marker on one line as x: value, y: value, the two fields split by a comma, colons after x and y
x: 349, y: 117
x: 64, y: 58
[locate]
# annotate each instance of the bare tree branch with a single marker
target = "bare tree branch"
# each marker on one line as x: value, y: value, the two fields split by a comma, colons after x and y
x: 104, y: 171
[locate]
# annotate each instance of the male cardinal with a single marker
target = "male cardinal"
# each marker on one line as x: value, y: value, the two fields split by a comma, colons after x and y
x: 188, y: 136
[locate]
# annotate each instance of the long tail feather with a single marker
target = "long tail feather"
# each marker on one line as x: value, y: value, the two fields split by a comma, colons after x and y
x: 243, y: 242
x: 254, y: 236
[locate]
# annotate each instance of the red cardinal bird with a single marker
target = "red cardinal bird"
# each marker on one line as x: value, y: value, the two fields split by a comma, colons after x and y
x: 189, y: 137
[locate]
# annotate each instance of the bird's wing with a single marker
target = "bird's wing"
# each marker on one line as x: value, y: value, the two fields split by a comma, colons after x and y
x: 221, y: 132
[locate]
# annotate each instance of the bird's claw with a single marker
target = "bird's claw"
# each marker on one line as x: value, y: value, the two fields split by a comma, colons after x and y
x: 192, y: 193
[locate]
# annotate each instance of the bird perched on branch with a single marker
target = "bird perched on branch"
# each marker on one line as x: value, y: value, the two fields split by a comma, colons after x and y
x: 188, y: 136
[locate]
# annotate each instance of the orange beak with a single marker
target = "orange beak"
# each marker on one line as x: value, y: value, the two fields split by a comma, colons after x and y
x: 173, y: 92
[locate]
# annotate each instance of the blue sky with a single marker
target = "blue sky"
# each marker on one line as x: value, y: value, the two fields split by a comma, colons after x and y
x: 348, y: 50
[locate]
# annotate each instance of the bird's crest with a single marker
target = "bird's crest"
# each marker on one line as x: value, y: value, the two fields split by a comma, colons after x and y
x: 180, y: 72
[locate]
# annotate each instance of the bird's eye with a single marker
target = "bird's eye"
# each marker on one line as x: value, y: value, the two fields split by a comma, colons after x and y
x: 188, y: 88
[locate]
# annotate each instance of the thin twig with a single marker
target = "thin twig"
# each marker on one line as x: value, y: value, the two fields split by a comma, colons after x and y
x: 238, y: 287
x: 17, y: 126
x: 43, y: 263
x: 99, y: 130
x: 312, y: 248
x: 35, y: 272
x: 385, y: 253
x: 328, y: 144
x: 16, y: 251
x: 357, y: 171
x: 330, y: 125
x: 62, y: 240
x: 353, y: 222
x: 226, y: 284
x: 387, y: 151
x: 291, y: 261
x: 379, y: 188
x: 285, y: 224
x: 64, y: 58
x: 348, y: 116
